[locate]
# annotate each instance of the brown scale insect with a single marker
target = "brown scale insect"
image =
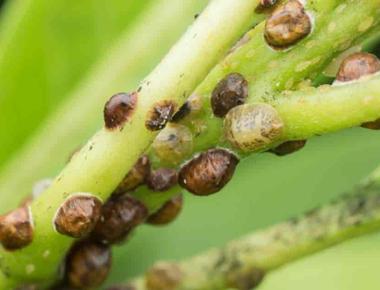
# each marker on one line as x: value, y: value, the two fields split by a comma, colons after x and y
x: 173, y: 144
x: 120, y: 215
x: 266, y: 5
x: 119, y: 109
x: 229, y: 93
x: 135, y: 177
x: 288, y: 147
x: 16, y: 229
x: 208, y: 172
x: 163, y: 276
x: 88, y: 265
x: 162, y: 179
x: 246, y: 279
x: 159, y: 115
x: 78, y: 215
x: 358, y: 65
x: 288, y: 24
x: 252, y: 127
x: 182, y: 112
x: 168, y: 212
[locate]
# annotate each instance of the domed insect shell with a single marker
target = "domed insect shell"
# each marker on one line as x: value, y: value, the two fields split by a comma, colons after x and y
x: 135, y: 177
x: 78, y: 215
x: 208, y: 172
x: 288, y: 24
x: 173, y: 144
x: 163, y: 276
x: 88, y: 265
x: 253, y: 127
x: 16, y: 228
x: 120, y: 215
x: 168, y: 212
x: 356, y: 66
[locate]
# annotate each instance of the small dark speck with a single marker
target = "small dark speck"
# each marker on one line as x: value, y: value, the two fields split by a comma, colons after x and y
x: 91, y: 147
x: 196, y: 16
x: 139, y: 89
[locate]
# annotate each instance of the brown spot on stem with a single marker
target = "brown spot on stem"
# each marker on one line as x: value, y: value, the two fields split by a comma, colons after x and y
x: 135, y: 177
x: 208, y: 172
x: 374, y: 125
x: 288, y: 147
x: 287, y: 25
x: 246, y: 279
x: 159, y: 115
x: 252, y: 127
x: 358, y: 65
x: 16, y: 229
x: 168, y: 212
x: 120, y: 215
x: 78, y: 215
x: 119, y: 109
x: 162, y: 179
x: 163, y: 276
x: 229, y: 93
x: 88, y: 265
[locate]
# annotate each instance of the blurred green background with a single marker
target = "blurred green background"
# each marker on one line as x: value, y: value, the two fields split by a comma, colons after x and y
x: 64, y: 58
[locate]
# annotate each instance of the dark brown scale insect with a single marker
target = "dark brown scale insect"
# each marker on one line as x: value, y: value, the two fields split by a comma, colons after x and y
x: 120, y: 215
x: 182, y: 112
x: 245, y: 279
x: 135, y: 177
x: 88, y: 265
x: 16, y: 229
x: 229, y: 93
x: 162, y: 179
x: 375, y: 125
x: 287, y: 25
x: 358, y: 65
x: 159, y: 115
x: 168, y: 212
x: 78, y: 215
x: 208, y: 172
x: 163, y: 276
x: 266, y: 5
x: 288, y: 147
x: 119, y: 109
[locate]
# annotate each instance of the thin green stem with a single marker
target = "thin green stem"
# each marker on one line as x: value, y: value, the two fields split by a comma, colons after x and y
x: 109, y: 154
x: 351, y: 216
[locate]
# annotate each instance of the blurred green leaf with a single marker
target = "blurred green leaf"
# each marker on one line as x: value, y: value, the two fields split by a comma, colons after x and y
x: 45, y: 49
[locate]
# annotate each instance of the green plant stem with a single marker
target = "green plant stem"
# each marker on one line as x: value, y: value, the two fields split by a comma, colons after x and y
x: 105, y: 159
x: 270, y: 72
x: 307, y: 113
x: 119, y: 70
x: 353, y: 215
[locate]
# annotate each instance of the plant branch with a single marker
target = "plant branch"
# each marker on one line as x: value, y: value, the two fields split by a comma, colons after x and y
x: 241, y: 262
x: 89, y: 171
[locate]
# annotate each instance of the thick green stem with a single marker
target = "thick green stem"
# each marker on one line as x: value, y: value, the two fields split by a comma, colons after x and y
x: 351, y: 216
x: 104, y: 160
x: 119, y: 70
